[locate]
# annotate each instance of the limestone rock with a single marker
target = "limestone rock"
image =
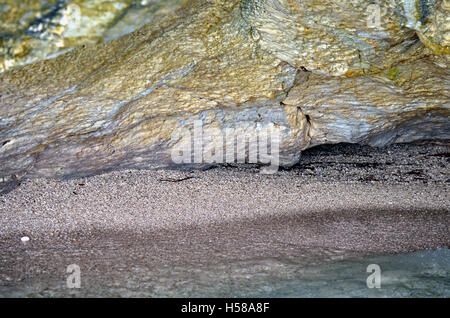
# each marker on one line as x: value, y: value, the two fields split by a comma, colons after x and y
x: 314, y: 70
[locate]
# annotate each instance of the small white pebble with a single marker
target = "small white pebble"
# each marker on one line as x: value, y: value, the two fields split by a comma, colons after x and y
x: 25, y: 239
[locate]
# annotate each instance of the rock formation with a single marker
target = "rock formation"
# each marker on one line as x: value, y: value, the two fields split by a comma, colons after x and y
x: 36, y: 30
x: 328, y: 71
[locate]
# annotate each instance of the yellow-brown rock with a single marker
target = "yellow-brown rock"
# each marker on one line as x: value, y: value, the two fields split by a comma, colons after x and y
x: 316, y: 70
x: 35, y: 30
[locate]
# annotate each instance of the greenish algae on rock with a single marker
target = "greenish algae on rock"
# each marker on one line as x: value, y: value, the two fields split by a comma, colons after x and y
x: 313, y: 69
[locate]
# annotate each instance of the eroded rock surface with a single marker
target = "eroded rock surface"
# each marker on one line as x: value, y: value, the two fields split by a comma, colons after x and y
x: 317, y: 71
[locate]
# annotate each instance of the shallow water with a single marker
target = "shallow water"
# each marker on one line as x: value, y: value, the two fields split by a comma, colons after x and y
x: 419, y: 274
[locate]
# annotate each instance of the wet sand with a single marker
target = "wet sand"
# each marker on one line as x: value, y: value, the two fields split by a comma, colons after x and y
x: 148, y: 232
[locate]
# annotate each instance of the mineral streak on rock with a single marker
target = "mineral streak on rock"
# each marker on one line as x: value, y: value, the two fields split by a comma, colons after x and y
x: 311, y: 68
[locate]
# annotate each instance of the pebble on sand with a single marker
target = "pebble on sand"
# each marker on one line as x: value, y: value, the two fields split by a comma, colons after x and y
x: 25, y: 239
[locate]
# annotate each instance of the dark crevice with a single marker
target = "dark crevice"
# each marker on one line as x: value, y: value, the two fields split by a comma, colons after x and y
x: 177, y: 180
x: 308, y: 119
x: 304, y: 69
